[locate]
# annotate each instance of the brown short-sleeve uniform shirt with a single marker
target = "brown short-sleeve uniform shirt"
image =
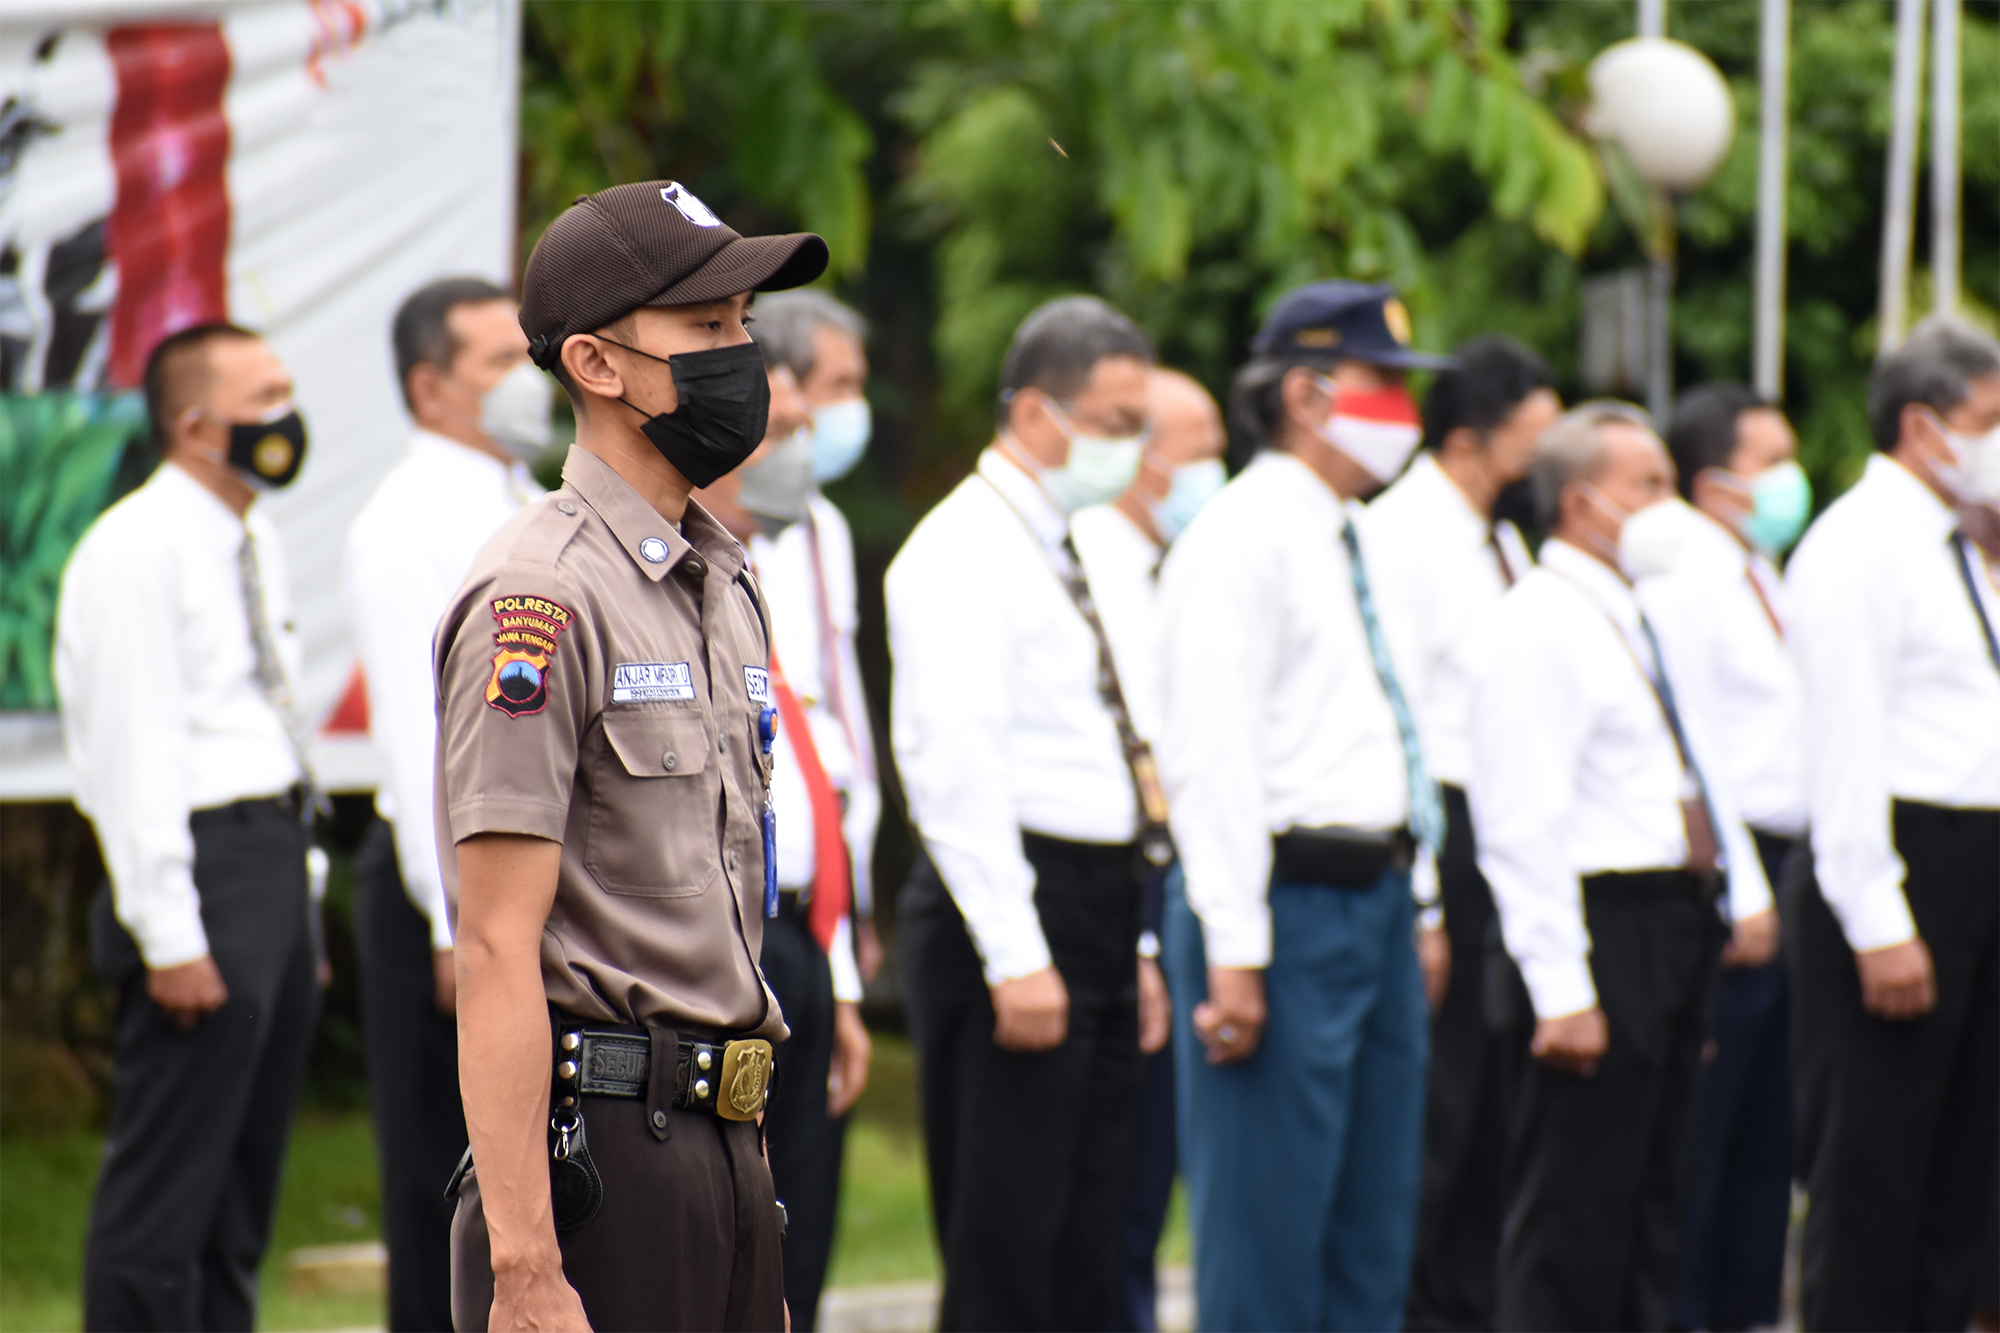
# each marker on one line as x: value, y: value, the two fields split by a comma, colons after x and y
x: 600, y: 677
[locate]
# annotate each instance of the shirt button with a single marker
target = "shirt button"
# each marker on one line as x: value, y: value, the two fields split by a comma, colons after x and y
x: 732, y: 862
x: 724, y: 743
x: 694, y: 567
x: 670, y: 761
x: 565, y: 506
x: 659, y: 1120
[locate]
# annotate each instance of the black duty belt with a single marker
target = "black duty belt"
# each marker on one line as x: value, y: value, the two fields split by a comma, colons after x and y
x: 730, y: 1078
x: 1345, y: 858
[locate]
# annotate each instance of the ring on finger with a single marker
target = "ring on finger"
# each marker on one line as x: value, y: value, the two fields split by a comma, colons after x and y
x: 1225, y: 1034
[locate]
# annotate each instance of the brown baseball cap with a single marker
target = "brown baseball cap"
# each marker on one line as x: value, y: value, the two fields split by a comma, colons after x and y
x: 645, y: 244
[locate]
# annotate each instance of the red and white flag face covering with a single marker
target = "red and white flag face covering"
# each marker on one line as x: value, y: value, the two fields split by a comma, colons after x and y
x: 1377, y: 428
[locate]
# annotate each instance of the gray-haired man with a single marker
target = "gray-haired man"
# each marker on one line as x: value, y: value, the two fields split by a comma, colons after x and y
x: 1896, y: 958
x: 1597, y: 816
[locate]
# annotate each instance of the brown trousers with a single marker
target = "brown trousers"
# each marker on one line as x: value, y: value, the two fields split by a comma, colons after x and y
x: 687, y: 1237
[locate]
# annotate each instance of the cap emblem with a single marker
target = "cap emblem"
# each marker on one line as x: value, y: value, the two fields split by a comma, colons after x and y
x: 1317, y: 337
x: 693, y: 209
x: 1398, y: 320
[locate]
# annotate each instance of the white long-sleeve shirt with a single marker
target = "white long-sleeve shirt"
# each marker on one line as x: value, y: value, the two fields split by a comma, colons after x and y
x: 162, y: 713
x: 1432, y: 558
x: 812, y: 606
x: 1732, y: 665
x: 1273, y: 716
x: 407, y: 553
x: 1902, y: 700
x: 996, y: 720
x: 1122, y: 566
x: 1575, y: 772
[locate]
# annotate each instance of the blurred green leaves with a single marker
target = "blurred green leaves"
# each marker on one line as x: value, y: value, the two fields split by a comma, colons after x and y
x: 59, y: 453
x: 728, y: 98
x: 1190, y: 159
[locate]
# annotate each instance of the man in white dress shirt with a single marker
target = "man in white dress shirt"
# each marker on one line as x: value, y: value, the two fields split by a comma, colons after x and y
x: 822, y: 342
x: 1299, y: 796
x: 1442, y: 560
x: 1705, y: 577
x: 1018, y: 931
x: 808, y: 953
x: 1121, y: 545
x: 1604, y: 827
x: 482, y: 410
x: 1896, y: 955
x: 174, y: 658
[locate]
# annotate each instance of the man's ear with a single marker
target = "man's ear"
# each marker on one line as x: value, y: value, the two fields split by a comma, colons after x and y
x: 1914, y: 426
x: 1459, y: 440
x: 1302, y: 398
x: 590, y: 370
x: 422, y: 383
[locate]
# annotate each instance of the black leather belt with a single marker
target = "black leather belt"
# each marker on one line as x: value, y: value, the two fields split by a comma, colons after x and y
x: 1345, y: 858
x: 729, y: 1078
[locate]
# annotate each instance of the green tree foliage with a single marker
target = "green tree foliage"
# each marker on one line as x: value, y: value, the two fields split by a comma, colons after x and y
x: 1190, y: 159
x: 59, y: 455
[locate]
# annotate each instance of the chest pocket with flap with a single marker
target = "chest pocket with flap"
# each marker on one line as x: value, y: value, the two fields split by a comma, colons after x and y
x: 652, y: 822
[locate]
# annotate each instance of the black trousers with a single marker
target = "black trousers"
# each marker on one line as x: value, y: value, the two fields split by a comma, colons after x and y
x: 412, y: 1087
x: 1028, y: 1152
x: 1155, y: 1162
x: 1898, y: 1122
x: 1740, y: 1185
x: 805, y: 1142
x: 200, y: 1117
x: 1597, y: 1166
x: 1477, y: 1046
x: 685, y: 1242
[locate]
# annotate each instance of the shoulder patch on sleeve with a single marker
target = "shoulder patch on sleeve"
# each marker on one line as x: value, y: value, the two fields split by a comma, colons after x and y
x: 523, y: 642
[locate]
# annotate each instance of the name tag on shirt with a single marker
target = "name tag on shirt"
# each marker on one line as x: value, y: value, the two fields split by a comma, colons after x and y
x: 757, y: 682
x: 651, y: 682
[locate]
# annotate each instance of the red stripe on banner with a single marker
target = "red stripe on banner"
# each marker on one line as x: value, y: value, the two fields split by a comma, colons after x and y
x: 169, y: 228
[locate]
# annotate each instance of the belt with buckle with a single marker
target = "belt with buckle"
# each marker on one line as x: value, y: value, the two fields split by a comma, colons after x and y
x: 1345, y: 858
x: 730, y: 1078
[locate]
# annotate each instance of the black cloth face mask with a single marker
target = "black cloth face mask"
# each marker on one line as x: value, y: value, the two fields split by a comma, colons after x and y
x: 725, y: 404
x: 269, y: 454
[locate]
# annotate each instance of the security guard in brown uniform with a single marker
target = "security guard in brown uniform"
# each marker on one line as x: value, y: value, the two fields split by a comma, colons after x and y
x: 603, y: 776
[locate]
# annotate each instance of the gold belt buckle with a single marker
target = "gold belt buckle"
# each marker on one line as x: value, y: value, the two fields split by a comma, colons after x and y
x: 745, y: 1080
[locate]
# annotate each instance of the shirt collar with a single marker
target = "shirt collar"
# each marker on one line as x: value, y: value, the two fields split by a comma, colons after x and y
x: 1909, y: 499
x: 634, y: 522
x: 1427, y: 478
x: 180, y: 486
x: 1049, y: 524
x: 1307, y: 486
x: 1712, y: 544
x: 1603, y: 587
x: 443, y: 449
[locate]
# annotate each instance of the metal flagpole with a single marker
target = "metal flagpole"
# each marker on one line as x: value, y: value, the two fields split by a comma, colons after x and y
x: 1945, y: 94
x: 1774, y: 61
x: 1659, y: 276
x: 1899, y: 195
x: 1652, y: 18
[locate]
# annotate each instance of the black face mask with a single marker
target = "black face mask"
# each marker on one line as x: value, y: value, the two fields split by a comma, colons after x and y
x: 725, y: 404
x: 269, y: 454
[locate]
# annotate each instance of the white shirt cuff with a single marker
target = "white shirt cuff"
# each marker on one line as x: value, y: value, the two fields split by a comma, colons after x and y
x: 1238, y: 938
x: 1424, y: 886
x: 1877, y: 917
x: 840, y: 958
x: 1559, y: 986
x: 170, y: 938
x: 1006, y: 960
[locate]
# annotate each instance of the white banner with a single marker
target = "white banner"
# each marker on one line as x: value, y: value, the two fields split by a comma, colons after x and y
x: 296, y: 166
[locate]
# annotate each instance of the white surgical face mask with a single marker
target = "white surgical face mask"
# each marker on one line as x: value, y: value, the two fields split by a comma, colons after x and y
x: 1192, y: 486
x: 515, y: 412
x: 840, y: 434
x: 777, y: 488
x: 1098, y: 471
x: 1974, y: 474
x: 1650, y: 543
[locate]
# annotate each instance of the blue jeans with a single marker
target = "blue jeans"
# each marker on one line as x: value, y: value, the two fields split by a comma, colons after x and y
x: 1304, y: 1162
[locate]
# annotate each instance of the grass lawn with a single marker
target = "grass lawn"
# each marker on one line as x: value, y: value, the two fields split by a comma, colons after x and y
x: 330, y: 1197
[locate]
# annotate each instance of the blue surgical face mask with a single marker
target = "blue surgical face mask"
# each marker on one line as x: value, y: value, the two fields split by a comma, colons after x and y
x: 1781, y: 500
x: 840, y: 434
x: 1193, y: 485
x: 1098, y: 471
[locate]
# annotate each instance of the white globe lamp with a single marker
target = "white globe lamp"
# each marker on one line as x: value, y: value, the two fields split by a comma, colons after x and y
x: 1667, y: 105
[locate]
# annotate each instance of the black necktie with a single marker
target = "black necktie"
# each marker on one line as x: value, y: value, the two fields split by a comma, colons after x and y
x: 1958, y: 545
